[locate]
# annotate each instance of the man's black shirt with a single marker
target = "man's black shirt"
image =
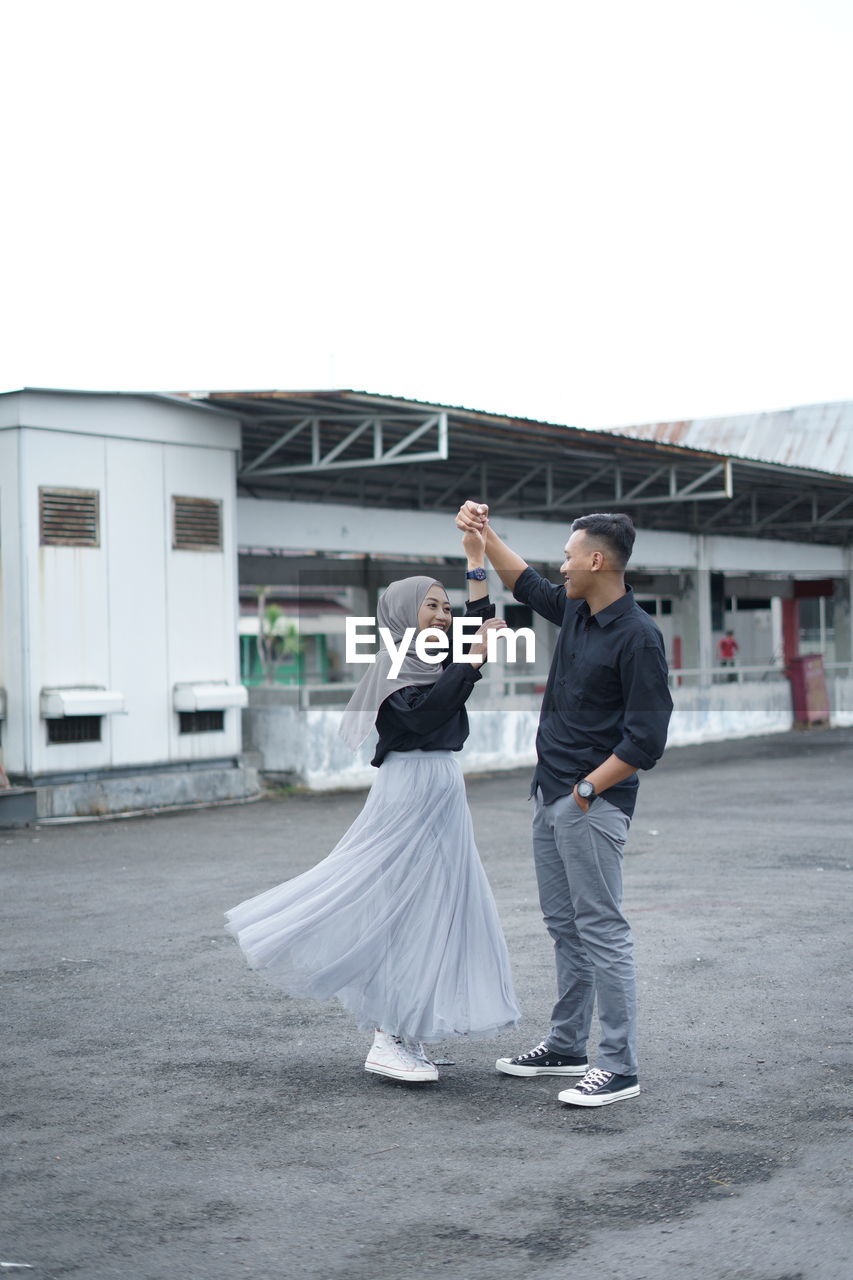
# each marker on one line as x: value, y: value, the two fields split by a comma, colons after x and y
x: 607, y: 691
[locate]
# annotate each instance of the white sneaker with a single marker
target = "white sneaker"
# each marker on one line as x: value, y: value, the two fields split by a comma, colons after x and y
x: 418, y: 1052
x: 389, y: 1056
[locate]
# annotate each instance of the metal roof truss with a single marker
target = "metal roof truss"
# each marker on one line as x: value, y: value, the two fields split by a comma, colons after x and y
x: 674, y: 491
x: 374, y: 441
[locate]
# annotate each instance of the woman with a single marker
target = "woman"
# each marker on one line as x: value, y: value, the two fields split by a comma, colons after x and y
x: 399, y: 922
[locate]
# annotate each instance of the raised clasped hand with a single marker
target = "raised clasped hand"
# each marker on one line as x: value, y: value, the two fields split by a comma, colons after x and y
x: 473, y: 516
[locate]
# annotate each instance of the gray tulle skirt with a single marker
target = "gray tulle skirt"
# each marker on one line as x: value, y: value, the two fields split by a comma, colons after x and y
x: 398, y: 922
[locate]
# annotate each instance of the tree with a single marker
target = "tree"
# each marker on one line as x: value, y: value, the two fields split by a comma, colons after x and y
x: 278, y: 636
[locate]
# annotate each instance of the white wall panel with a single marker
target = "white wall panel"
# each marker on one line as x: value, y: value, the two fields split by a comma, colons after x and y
x: 135, y: 542
x: 201, y: 592
x: 66, y: 592
x: 12, y: 750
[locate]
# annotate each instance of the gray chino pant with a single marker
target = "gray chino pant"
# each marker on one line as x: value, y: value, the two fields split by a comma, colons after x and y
x: 578, y: 858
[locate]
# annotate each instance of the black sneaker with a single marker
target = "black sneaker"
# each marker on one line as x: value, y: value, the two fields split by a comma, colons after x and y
x: 600, y: 1087
x: 542, y: 1061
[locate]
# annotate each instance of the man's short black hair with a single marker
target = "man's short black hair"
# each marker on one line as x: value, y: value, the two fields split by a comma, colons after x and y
x: 617, y: 532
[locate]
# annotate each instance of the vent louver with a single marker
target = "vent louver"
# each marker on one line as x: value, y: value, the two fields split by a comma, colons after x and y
x: 69, y: 517
x: 74, y: 729
x: 196, y: 524
x: 201, y: 721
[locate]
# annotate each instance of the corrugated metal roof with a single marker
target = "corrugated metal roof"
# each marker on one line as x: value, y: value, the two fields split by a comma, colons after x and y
x: 816, y: 436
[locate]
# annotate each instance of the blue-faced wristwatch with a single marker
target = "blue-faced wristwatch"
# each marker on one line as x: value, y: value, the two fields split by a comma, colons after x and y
x: 479, y: 575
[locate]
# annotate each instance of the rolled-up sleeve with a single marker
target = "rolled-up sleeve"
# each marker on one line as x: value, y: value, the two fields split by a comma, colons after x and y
x: 648, y: 706
x: 542, y: 596
x: 482, y: 608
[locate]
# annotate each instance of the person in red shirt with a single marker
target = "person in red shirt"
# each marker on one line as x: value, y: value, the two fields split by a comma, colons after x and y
x: 727, y: 647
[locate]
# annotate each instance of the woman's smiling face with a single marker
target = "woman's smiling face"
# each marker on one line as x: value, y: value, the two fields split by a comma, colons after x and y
x: 435, y: 610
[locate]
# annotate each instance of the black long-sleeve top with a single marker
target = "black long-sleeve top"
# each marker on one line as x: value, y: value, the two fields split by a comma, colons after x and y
x: 607, y: 691
x: 431, y: 717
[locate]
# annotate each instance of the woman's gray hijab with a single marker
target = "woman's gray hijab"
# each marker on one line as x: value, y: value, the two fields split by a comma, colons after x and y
x: 397, y: 609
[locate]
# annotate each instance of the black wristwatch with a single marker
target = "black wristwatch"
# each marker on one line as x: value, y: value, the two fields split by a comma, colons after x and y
x: 586, y: 790
x: 479, y: 575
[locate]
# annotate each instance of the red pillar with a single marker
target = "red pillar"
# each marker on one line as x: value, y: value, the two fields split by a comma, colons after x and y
x: 676, y: 656
x: 790, y: 629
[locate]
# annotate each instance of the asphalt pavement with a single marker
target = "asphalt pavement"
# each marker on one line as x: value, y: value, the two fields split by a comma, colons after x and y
x: 168, y: 1114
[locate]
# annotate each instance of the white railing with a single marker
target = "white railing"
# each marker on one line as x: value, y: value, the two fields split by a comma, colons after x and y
x: 724, y: 675
x: 742, y: 675
x: 677, y: 676
x: 325, y: 695
x: 533, y: 686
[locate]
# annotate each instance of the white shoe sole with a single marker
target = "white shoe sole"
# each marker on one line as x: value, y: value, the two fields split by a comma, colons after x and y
x: 575, y: 1099
x: 509, y: 1068
x: 421, y: 1076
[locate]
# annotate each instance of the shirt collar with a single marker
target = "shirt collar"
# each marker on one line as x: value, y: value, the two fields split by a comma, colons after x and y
x: 615, y: 610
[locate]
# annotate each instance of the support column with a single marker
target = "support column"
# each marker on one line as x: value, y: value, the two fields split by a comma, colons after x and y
x: 777, y: 646
x: 372, y: 583
x: 692, y: 615
x: 790, y: 629
x: 844, y: 612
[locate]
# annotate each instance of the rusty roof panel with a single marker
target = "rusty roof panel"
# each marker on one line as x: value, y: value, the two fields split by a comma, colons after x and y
x: 816, y: 436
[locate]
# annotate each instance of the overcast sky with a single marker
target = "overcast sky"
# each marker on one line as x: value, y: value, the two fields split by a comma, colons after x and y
x: 594, y: 213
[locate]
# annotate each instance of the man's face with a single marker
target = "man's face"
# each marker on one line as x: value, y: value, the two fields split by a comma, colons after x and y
x: 576, y: 569
x: 435, y: 610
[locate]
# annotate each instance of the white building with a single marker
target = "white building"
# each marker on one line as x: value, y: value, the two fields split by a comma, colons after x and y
x: 118, y: 646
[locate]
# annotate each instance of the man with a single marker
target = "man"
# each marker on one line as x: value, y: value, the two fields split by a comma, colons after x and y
x: 604, y: 715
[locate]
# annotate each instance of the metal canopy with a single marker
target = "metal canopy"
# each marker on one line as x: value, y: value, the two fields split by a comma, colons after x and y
x: 294, y: 442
